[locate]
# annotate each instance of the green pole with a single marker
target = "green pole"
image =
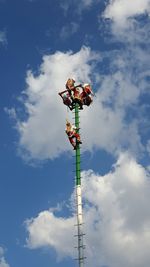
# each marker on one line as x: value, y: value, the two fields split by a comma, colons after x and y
x: 78, y: 169
x: 79, y: 194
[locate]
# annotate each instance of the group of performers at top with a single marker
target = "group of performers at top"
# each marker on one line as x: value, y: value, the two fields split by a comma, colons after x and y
x: 81, y: 94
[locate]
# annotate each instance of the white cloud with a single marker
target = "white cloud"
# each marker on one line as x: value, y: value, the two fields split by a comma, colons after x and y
x: 88, y: 3
x: 148, y: 146
x: 11, y: 112
x: 115, y: 113
x: 3, y: 39
x: 48, y: 230
x: 128, y: 22
x: 3, y: 262
x: 121, y: 10
x: 117, y: 219
x: 78, y: 5
x: 42, y: 134
x: 69, y: 30
x: 104, y: 124
x: 120, y: 199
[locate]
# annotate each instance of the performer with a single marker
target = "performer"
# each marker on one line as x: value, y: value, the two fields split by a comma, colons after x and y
x: 70, y: 84
x: 86, y: 94
x: 72, y: 134
x: 66, y: 99
x: 77, y: 96
x: 74, y: 92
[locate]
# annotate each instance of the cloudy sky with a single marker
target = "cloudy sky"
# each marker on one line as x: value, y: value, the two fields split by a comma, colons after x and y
x: 105, y: 43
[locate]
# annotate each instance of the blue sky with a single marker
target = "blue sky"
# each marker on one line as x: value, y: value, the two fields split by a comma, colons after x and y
x: 106, y: 43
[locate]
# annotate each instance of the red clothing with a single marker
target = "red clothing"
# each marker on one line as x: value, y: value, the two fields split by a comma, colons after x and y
x: 85, y: 95
x: 88, y: 89
x: 76, y: 93
x: 73, y: 138
x: 87, y: 100
x: 72, y: 135
x: 66, y: 99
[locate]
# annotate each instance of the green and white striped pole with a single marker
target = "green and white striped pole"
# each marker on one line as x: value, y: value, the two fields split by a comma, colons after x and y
x: 79, y: 195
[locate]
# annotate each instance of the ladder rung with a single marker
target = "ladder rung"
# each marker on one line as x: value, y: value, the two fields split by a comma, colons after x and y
x: 83, y: 246
x: 81, y: 258
x: 79, y: 235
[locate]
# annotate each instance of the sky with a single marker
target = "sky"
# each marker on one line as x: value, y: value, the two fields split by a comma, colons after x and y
x: 104, y: 43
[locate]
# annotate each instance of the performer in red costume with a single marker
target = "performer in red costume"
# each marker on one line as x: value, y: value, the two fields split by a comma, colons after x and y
x: 72, y: 134
x: 66, y: 99
x: 74, y: 92
x: 81, y: 94
x: 70, y: 84
x: 86, y: 94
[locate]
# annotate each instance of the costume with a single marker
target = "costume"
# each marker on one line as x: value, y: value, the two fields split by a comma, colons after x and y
x: 76, y: 97
x: 81, y: 94
x: 73, y: 136
x: 70, y: 85
x: 66, y: 99
x: 86, y: 94
x: 73, y: 94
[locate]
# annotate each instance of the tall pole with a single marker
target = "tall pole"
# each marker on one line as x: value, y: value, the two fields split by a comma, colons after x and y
x: 79, y: 195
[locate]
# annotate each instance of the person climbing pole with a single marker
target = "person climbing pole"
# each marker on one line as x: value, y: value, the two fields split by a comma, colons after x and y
x: 72, y: 134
